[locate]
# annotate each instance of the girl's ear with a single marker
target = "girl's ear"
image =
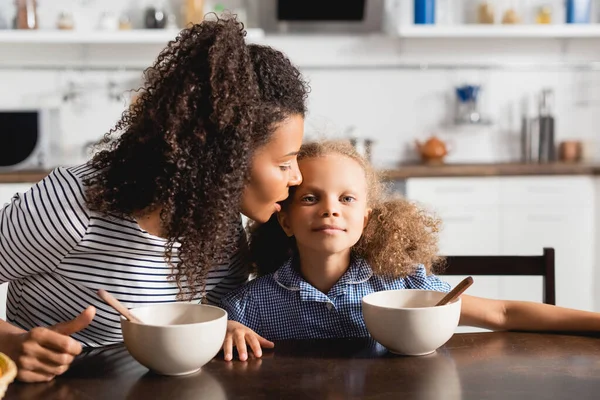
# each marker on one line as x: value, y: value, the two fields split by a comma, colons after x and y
x: 283, y: 221
x: 367, y: 216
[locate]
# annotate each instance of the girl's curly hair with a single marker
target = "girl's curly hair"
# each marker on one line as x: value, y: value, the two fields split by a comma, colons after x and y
x: 397, y: 238
x: 186, y: 144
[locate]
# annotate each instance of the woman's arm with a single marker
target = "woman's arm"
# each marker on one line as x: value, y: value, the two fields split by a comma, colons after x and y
x: 524, y: 315
x: 43, y: 353
x: 37, y: 229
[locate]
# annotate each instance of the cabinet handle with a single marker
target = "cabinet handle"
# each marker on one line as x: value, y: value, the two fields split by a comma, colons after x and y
x: 464, y: 218
x: 544, y: 190
x: 453, y: 189
x: 544, y: 218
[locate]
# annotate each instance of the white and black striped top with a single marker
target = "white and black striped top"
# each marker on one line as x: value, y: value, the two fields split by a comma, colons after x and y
x: 56, y: 254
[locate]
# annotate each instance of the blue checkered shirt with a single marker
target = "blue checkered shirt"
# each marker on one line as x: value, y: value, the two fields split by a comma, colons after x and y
x: 283, y: 305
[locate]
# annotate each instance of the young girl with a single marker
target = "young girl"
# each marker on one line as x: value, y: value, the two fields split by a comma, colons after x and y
x: 338, y: 239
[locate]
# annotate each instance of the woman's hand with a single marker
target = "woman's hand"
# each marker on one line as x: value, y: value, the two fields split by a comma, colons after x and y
x: 239, y: 335
x: 43, y: 353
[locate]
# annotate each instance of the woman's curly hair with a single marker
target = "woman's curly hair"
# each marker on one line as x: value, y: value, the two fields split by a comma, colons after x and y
x: 186, y: 143
x: 398, y: 236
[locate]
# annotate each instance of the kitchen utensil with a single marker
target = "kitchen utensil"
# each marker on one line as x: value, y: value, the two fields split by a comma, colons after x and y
x: 432, y: 151
x: 116, y: 304
x: 570, y: 151
x: 456, y: 292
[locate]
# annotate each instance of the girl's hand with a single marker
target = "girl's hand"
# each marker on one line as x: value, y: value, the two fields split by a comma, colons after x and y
x: 238, y: 335
x: 43, y: 353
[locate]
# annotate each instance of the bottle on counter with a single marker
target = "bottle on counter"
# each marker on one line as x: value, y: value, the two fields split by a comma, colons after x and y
x: 529, y: 132
x: 547, y: 151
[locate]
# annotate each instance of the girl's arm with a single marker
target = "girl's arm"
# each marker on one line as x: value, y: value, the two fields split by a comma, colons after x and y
x: 524, y: 315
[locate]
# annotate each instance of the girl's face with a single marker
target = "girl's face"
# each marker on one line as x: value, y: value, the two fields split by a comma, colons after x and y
x: 328, y: 211
x: 274, y: 170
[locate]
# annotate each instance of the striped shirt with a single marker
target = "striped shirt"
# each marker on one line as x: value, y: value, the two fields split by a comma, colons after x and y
x: 283, y: 305
x: 56, y: 253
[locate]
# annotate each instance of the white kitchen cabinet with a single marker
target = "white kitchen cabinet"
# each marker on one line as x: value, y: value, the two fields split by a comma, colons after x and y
x: 462, y: 228
x: 468, y: 208
x: 7, y: 191
x: 519, y: 216
x: 570, y: 231
x: 454, y: 191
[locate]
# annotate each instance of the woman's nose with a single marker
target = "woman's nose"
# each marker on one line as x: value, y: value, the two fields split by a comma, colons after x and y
x: 295, y: 176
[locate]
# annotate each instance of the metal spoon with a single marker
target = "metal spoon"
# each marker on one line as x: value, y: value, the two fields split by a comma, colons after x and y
x: 457, y: 291
x: 120, y: 308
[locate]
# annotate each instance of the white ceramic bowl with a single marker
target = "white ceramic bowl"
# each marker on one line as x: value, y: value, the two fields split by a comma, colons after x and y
x: 176, y: 338
x: 405, y: 321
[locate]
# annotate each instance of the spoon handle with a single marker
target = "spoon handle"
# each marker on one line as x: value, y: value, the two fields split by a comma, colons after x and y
x: 457, y: 291
x: 120, y: 308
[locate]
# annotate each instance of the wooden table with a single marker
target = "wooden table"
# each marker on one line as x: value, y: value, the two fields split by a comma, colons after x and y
x: 470, y: 366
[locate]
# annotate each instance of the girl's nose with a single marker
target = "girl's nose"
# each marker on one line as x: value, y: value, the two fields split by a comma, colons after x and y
x: 330, y: 208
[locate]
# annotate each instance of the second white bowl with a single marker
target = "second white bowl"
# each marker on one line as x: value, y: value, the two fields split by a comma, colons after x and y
x: 405, y: 321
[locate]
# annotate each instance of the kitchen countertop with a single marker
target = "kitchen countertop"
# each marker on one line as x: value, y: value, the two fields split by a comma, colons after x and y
x: 414, y: 171
x: 23, y: 176
x: 502, y: 169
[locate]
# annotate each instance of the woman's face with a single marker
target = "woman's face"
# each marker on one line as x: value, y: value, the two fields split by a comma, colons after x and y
x: 274, y: 169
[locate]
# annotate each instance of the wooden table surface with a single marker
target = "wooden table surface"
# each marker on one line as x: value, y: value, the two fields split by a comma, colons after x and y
x: 505, y: 365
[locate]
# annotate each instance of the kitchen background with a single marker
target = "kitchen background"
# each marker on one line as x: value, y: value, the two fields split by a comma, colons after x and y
x: 387, y: 79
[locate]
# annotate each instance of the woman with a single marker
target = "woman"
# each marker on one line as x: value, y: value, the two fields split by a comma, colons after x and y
x: 155, y: 216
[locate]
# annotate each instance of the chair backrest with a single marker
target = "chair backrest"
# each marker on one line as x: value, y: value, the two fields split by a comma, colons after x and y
x: 542, y: 265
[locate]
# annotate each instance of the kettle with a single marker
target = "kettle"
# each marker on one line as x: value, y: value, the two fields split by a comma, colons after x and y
x: 432, y: 151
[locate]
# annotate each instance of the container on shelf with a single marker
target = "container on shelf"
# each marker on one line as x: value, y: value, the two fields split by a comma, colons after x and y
x: 578, y: 11
x: 424, y: 12
x: 486, y: 12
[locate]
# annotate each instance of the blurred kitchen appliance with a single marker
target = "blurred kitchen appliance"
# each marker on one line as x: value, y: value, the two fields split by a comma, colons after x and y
x: 537, y: 131
x: 467, y: 105
x: 25, y: 138
x: 313, y: 16
x: 529, y: 132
